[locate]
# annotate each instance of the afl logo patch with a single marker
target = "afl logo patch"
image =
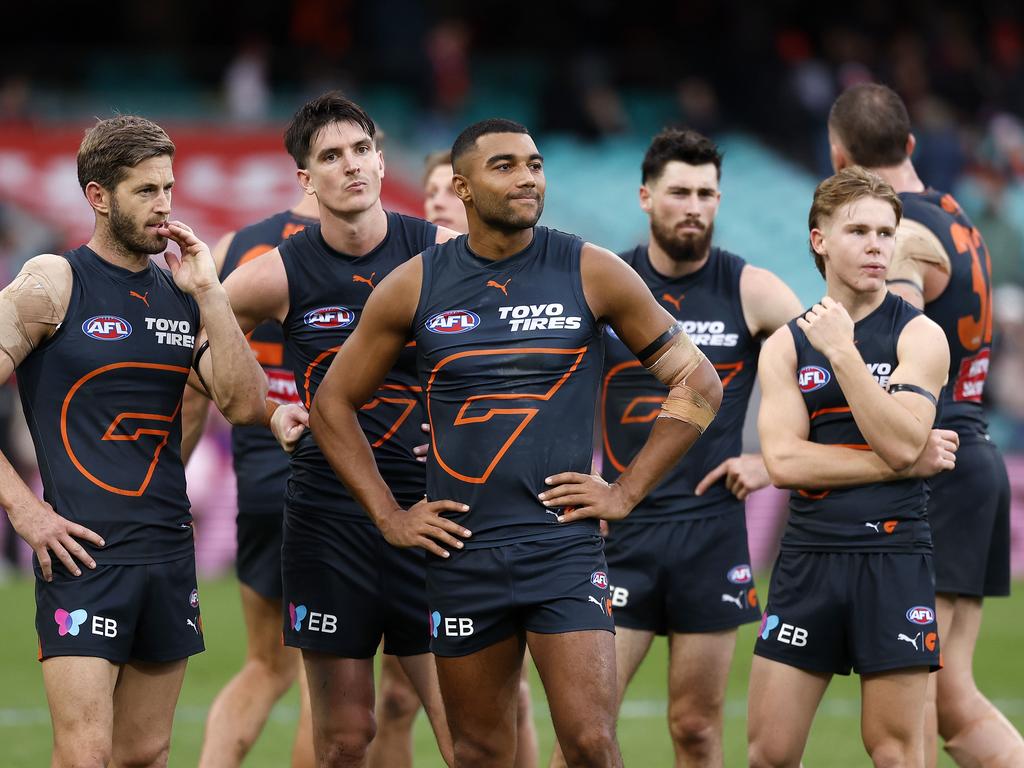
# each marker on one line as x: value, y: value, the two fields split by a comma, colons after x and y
x: 811, y: 378
x: 329, y: 317
x: 107, y: 328
x: 453, y: 321
x: 740, y: 574
x: 921, y: 614
x: 599, y: 579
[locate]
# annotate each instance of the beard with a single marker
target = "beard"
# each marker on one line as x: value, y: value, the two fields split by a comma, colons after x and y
x: 682, y: 248
x: 127, y: 233
x: 503, y: 217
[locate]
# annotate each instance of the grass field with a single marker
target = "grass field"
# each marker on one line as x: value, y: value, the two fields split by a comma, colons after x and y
x: 835, y: 740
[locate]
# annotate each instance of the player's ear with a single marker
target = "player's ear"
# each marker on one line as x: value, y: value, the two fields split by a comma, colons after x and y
x: 380, y: 159
x: 304, y: 181
x: 911, y: 143
x: 645, y: 199
x: 818, y: 242
x: 98, y: 197
x: 461, y: 186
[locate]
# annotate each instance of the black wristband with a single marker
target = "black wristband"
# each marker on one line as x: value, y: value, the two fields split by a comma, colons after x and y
x: 203, y: 348
x: 660, y: 342
x: 915, y: 389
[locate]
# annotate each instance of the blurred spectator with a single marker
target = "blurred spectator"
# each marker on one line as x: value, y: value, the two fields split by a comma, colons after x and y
x: 246, y: 87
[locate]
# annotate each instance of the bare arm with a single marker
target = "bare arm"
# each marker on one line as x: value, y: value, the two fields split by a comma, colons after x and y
x: 31, y: 309
x: 920, y: 270
x: 359, y: 368
x: 895, y: 426
x: 619, y: 296
x: 795, y: 462
x: 195, y: 407
x: 768, y: 303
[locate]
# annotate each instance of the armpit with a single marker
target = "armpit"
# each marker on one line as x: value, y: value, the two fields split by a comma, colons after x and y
x: 33, y: 305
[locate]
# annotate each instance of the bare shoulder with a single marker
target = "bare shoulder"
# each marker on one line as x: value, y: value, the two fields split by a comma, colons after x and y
x: 444, y: 235
x: 768, y: 303
x: 53, y: 276
x: 394, y: 300
x: 922, y: 330
x: 779, y: 346
x: 220, y: 250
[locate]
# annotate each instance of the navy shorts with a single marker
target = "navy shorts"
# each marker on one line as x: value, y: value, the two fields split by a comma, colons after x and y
x: 258, y: 562
x: 832, y: 611
x: 969, y: 514
x: 345, y: 587
x: 682, y: 576
x: 479, y: 597
x: 121, y: 612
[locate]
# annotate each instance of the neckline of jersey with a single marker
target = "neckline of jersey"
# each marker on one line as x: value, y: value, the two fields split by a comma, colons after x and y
x: 692, y: 277
x: 502, y: 265
x: 120, y: 274
x: 316, y: 232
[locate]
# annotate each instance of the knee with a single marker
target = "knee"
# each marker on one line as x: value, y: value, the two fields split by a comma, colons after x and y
x: 279, y: 669
x: 761, y: 753
x: 82, y: 752
x: 143, y: 754
x: 893, y: 753
x: 694, y: 733
x: 398, y: 702
x: 592, y: 746
x: 345, y: 742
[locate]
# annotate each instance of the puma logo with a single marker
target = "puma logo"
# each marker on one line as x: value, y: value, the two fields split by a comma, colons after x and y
x: 140, y: 296
x: 675, y: 301
x: 911, y: 640
x: 500, y: 286
x: 367, y: 280
x: 738, y: 600
x: 874, y: 525
x: 192, y: 624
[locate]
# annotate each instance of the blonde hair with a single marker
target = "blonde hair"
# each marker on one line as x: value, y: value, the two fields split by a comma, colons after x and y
x: 845, y: 187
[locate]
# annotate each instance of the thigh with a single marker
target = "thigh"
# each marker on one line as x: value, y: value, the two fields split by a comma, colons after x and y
x: 631, y: 646
x: 960, y: 619
x: 340, y: 690
x: 636, y: 586
x: 263, y: 629
x: 144, y: 701
x: 781, y: 704
x: 804, y: 623
x: 79, y: 691
x: 710, y: 582
x: 577, y: 670
x: 699, y: 669
x: 480, y: 691
x: 892, y: 612
x: 170, y: 625
x: 95, y: 614
x: 892, y: 707
x: 331, y: 579
x: 258, y: 555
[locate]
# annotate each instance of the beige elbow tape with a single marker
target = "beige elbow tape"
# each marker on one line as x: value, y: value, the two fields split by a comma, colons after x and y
x: 672, y: 369
x: 30, y: 300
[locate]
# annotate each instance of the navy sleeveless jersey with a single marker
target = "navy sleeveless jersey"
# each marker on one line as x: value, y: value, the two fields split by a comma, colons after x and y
x: 327, y: 292
x: 708, y: 304
x: 963, y: 310
x: 102, y: 399
x: 261, y: 467
x: 865, y: 518
x: 510, y: 356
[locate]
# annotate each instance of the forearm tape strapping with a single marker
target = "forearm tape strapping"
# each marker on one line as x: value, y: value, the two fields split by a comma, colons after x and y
x: 672, y: 369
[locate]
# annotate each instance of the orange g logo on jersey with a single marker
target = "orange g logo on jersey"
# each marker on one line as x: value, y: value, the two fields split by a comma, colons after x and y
x: 929, y: 640
x: 121, y: 428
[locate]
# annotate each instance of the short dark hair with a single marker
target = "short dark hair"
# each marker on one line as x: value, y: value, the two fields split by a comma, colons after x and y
x: 850, y: 184
x: 313, y: 116
x: 435, y: 160
x: 871, y: 121
x: 114, y: 145
x: 684, y: 145
x: 467, y: 139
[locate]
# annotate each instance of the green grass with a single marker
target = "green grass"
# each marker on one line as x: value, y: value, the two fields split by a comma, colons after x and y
x: 835, y: 737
